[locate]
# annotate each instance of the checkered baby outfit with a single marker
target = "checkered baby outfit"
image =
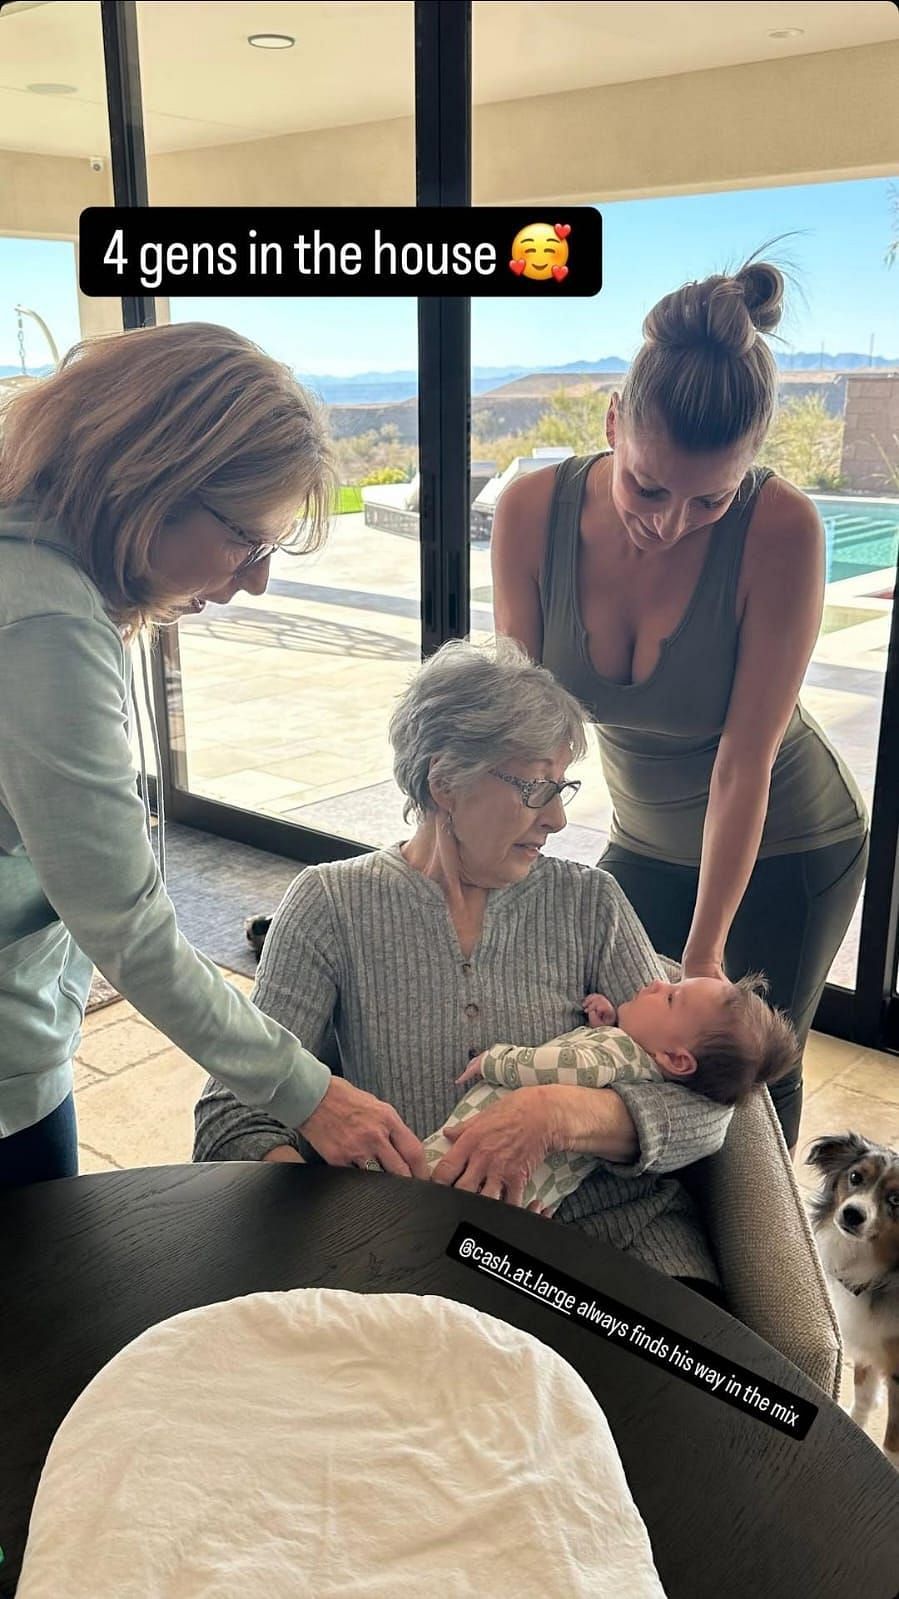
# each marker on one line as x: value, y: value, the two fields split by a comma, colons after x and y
x: 587, y: 1057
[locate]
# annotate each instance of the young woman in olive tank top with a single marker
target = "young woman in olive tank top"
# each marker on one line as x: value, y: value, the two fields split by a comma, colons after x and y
x: 677, y: 589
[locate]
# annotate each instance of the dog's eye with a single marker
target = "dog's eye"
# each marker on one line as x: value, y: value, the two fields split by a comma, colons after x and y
x: 855, y: 1177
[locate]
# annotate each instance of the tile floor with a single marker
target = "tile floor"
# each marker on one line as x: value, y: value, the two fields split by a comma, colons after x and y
x: 135, y: 1095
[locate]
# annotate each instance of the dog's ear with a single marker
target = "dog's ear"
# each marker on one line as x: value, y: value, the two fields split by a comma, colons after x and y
x: 835, y: 1151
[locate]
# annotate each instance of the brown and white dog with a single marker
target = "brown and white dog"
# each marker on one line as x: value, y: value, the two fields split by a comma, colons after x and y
x: 856, y: 1222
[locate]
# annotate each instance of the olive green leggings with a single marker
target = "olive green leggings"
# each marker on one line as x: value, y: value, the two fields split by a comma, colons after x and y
x: 790, y: 925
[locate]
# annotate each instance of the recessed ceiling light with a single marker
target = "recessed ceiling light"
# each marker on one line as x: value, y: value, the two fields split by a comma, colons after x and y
x: 51, y: 88
x: 271, y: 41
x: 785, y: 33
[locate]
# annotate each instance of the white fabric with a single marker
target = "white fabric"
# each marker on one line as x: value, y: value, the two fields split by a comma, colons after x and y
x: 325, y: 1443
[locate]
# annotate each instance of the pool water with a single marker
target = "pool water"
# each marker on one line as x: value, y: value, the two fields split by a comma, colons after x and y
x: 862, y: 535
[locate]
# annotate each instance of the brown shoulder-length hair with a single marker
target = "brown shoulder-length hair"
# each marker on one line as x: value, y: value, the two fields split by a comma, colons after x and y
x: 132, y: 427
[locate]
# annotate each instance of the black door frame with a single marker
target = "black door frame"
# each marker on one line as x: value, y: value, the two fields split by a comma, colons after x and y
x: 869, y: 1014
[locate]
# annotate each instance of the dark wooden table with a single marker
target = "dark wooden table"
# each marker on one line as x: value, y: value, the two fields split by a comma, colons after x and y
x: 732, y: 1506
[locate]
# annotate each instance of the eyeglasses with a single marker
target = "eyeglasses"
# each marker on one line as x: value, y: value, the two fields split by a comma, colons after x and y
x: 257, y: 550
x: 538, y: 792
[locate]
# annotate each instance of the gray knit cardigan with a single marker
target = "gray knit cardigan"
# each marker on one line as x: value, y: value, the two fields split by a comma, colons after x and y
x: 367, y: 946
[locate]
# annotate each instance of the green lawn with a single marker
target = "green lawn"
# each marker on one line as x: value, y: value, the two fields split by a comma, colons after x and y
x: 349, y: 498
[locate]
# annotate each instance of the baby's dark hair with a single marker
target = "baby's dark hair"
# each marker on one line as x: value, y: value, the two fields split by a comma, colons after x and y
x: 760, y: 1046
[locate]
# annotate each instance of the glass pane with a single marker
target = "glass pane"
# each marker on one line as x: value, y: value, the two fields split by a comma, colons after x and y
x: 621, y: 118
x: 844, y: 683
x: 54, y: 162
x: 896, y: 973
x: 284, y: 698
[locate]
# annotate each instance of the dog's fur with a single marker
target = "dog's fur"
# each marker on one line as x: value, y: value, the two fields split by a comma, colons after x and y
x: 256, y: 928
x: 855, y: 1217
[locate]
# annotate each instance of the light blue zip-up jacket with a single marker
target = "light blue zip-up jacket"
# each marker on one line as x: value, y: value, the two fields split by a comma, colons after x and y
x: 79, y: 884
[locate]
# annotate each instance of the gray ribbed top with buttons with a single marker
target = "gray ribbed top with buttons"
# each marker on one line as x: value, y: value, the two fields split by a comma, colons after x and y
x: 368, y: 945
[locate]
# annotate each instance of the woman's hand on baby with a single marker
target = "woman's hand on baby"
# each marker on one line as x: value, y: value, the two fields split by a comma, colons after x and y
x: 600, y: 1012
x: 472, y: 1070
x: 494, y: 1153
x: 350, y: 1126
x: 703, y: 966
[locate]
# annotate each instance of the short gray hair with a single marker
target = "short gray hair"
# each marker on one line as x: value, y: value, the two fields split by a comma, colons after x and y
x: 471, y: 708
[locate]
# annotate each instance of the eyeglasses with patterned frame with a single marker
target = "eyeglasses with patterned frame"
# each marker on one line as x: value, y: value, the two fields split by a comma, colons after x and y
x: 538, y: 792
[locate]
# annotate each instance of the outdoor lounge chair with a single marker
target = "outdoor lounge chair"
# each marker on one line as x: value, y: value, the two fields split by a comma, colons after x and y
x: 395, y: 507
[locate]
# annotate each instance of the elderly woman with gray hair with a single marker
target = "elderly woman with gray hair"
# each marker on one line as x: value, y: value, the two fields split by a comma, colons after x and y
x: 421, y: 955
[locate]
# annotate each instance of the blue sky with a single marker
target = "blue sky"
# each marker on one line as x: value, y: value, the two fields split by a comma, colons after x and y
x: 845, y: 292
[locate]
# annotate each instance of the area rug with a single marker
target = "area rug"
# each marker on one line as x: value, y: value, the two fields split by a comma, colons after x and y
x: 215, y: 885
x: 102, y: 993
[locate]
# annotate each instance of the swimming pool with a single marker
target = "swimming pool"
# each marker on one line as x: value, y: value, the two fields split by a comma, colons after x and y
x: 862, y: 535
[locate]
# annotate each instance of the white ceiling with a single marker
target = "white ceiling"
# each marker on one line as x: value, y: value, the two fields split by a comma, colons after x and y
x: 352, y: 62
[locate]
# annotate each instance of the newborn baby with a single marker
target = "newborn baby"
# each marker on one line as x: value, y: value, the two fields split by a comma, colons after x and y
x: 718, y: 1038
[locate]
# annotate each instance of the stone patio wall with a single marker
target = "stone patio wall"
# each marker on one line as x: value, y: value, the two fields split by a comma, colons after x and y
x: 870, y: 431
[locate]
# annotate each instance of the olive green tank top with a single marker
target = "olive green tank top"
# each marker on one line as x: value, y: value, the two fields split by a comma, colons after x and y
x: 658, y: 738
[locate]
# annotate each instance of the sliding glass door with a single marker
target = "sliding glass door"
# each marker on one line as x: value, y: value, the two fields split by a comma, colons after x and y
x: 620, y: 116
x: 699, y: 143
x: 278, y: 705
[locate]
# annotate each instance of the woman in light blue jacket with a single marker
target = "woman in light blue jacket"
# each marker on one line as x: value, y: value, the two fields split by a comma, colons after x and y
x: 154, y: 471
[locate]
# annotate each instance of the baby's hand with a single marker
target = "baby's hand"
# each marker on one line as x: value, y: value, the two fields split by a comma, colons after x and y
x: 600, y: 1012
x: 472, y: 1070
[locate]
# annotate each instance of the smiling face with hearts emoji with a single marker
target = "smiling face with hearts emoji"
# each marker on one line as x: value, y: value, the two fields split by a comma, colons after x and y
x: 540, y: 252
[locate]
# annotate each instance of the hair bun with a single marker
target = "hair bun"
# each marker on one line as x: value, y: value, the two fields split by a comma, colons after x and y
x: 763, y: 292
x: 726, y: 312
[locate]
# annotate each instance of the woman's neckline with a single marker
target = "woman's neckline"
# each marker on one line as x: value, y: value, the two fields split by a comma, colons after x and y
x: 433, y: 888
x: 671, y: 638
x: 496, y: 902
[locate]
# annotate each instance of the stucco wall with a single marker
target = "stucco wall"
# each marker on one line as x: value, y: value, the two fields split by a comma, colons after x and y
x: 871, y: 430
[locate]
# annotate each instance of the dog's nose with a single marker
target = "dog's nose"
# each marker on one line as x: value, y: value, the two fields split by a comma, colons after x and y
x: 852, y: 1218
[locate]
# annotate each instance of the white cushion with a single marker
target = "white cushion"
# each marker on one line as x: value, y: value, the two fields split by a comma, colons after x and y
x: 321, y: 1442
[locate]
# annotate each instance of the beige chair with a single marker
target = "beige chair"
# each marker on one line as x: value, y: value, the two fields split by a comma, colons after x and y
x: 759, y: 1230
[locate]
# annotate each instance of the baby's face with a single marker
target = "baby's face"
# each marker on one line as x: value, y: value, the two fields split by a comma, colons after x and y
x: 671, y: 1018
